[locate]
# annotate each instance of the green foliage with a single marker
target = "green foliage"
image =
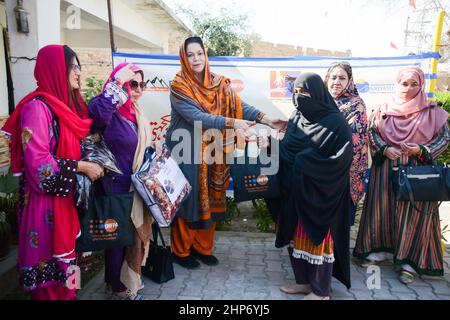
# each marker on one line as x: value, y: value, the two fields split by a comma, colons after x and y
x: 444, y: 231
x: 93, y: 88
x: 444, y: 99
x: 232, y: 212
x: 264, y: 220
x: 9, y: 186
x: 223, y: 35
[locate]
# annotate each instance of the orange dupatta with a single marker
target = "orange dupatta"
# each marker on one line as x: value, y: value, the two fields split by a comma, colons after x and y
x: 214, y: 96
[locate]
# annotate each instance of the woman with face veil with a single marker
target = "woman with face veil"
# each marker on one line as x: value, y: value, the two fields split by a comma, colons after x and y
x: 315, y: 159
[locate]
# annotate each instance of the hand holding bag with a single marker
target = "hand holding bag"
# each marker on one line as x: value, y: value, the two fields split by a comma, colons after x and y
x: 159, y: 266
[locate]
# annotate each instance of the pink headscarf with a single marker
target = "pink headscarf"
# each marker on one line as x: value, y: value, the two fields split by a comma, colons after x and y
x: 126, y: 110
x: 415, y: 121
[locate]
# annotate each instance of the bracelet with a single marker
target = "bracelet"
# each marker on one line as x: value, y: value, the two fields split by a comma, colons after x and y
x: 229, y: 122
x: 385, y: 149
x: 260, y: 117
x: 117, y: 81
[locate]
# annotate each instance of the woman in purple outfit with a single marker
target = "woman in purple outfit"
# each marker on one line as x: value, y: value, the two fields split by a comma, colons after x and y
x: 127, y: 133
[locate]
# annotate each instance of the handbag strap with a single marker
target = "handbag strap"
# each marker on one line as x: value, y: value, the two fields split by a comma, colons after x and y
x: 157, y: 231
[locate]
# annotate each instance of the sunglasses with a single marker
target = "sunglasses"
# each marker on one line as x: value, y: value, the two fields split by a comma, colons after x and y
x: 134, y: 84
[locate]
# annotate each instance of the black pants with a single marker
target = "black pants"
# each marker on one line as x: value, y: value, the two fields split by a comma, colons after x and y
x: 317, y: 276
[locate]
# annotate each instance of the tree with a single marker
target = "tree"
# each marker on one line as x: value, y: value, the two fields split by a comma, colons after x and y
x: 224, y: 34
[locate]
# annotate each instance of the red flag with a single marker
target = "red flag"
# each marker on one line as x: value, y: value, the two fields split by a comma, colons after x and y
x: 412, y: 4
x: 392, y: 45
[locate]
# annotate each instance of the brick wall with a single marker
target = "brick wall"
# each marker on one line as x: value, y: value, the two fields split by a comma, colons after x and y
x: 269, y: 49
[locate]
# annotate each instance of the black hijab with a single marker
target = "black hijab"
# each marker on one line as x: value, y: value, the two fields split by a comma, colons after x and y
x: 315, y: 157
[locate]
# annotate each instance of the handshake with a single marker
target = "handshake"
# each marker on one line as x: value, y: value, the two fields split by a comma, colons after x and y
x: 246, y: 133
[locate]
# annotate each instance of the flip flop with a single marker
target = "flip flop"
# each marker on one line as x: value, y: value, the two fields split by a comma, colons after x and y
x: 406, y: 277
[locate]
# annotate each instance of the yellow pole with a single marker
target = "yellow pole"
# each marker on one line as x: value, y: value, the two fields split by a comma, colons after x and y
x: 434, y: 62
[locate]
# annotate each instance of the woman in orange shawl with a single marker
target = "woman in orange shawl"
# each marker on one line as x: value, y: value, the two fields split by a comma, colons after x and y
x: 202, y: 100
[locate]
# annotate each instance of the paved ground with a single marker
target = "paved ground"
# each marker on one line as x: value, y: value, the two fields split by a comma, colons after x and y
x: 252, y: 268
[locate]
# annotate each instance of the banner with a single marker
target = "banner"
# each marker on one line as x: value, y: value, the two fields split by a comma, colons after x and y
x: 266, y: 83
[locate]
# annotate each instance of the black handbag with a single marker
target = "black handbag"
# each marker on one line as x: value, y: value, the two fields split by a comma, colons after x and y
x: 159, y: 265
x: 249, y: 181
x: 107, y: 222
x: 421, y: 183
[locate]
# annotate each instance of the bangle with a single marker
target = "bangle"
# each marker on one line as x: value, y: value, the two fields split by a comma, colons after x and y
x: 260, y: 117
x: 385, y: 149
x: 117, y: 81
x: 229, y: 123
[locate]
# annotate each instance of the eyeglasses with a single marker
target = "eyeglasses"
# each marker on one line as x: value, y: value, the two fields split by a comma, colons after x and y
x: 76, y: 67
x: 134, y: 84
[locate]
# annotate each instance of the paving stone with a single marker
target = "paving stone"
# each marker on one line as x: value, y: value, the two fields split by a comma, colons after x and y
x: 273, y: 266
x: 405, y: 296
x: 384, y: 295
x: 439, y: 286
x: 251, y: 268
x: 256, y: 260
x: 425, y: 293
x: 183, y: 297
x: 398, y: 287
x: 362, y: 294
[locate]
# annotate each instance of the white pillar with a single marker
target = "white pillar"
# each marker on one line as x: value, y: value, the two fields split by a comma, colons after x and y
x: 44, y: 26
x: 3, y: 83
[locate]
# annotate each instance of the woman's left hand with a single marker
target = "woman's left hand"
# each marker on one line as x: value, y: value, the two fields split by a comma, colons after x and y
x: 411, y: 149
x: 275, y: 123
x: 158, y: 147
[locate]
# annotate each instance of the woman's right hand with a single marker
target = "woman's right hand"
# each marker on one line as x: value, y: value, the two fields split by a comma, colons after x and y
x: 393, y: 153
x: 125, y: 74
x: 243, y: 124
x: 93, y: 170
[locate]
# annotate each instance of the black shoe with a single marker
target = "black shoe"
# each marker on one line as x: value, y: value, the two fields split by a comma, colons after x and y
x: 188, y: 262
x: 207, y: 259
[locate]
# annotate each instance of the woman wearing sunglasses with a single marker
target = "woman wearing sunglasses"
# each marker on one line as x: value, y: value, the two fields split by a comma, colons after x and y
x: 127, y: 133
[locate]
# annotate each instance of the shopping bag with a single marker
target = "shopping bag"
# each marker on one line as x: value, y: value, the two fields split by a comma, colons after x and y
x: 107, y: 222
x: 249, y: 180
x: 162, y: 185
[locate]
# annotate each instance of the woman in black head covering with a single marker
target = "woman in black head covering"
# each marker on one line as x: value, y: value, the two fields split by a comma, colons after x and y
x: 315, y: 155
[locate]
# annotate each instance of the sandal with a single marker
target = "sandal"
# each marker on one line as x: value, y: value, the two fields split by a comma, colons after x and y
x: 406, y: 277
x: 365, y: 263
x: 128, y: 296
x: 296, y: 288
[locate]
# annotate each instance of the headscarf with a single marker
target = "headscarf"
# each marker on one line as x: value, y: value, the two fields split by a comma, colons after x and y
x: 213, y: 95
x: 316, y: 154
x: 126, y: 110
x: 52, y: 85
x: 414, y: 121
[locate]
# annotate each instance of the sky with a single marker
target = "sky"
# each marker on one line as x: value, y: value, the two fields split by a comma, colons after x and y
x: 366, y: 27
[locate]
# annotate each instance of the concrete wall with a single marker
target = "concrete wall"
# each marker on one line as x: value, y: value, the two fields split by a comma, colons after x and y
x: 43, y: 20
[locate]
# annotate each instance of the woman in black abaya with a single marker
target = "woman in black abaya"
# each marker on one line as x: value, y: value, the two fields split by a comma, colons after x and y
x: 315, y: 159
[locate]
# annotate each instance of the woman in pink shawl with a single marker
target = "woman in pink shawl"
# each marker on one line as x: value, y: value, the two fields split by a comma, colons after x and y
x: 45, y: 130
x: 407, y: 128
